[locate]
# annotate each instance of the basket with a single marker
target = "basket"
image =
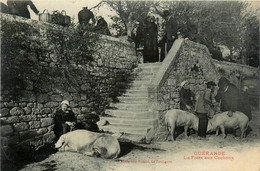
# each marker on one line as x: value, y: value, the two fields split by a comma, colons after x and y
x: 66, y: 18
x: 45, y: 17
x: 58, y: 18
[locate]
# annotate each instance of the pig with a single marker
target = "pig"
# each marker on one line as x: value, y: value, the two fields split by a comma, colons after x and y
x: 176, y: 117
x: 222, y: 121
x: 89, y: 143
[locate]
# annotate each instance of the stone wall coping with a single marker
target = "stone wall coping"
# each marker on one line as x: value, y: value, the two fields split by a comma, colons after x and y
x: 168, y: 61
x: 10, y: 17
x: 232, y: 64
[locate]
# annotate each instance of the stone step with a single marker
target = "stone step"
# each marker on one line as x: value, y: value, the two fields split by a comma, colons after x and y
x: 137, y: 130
x: 133, y: 138
x: 131, y: 114
x: 135, y: 90
x: 133, y: 99
x: 135, y: 94
x: 131, y: 121
x: 147, y: 65
x: 130, y: 106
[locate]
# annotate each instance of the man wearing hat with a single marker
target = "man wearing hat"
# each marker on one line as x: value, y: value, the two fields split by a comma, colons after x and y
x: 202, y: 108
x: 64, y: 120
x: 228, y: 96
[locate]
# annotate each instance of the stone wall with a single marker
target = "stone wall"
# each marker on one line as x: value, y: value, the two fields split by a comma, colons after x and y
x: 29, y: 120
x: 187, y: 61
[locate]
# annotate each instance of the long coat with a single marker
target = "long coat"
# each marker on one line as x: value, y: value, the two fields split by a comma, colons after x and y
x: 60, y: 118
x: 171, y: 30
x: 229, y: 98
x: 150, y: 42
x: 20, y: 7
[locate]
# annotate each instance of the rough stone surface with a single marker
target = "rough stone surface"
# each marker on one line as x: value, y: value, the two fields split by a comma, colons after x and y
x: 21, y: 126
x: 46, y: 122
x: 6, y: 130
x: 33, y: 115
x: 4, y: 112
x: 16, y: 111
x: 35, y: 124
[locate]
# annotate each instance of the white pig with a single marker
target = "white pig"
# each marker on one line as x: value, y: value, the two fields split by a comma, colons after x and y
x: 176, y: 117
x: 89, y: 143
x: 222, y: 121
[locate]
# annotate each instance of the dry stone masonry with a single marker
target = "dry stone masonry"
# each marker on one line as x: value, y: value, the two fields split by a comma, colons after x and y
x: 29, y: 120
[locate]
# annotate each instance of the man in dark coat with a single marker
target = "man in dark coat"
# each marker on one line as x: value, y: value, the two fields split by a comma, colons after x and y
x: 102, y: 27
x: 228, y: 96
x: 85, y: 15
x: 20, y: 7
x: 171, y: 29
x: 186, y: 96
x: 151, y: 53
x: 64, y: 120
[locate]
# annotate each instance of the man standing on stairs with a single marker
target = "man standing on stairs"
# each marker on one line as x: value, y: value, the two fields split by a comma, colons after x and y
x: 170, y: 30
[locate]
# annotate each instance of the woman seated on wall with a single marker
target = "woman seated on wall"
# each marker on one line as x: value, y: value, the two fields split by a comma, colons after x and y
x: 64, y: 120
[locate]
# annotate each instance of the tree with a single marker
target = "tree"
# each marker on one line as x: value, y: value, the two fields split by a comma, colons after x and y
x: 128, y: 13
x: 214, y: 23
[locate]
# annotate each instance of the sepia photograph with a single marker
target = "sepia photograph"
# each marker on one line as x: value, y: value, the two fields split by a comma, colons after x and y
x: 127, y: 85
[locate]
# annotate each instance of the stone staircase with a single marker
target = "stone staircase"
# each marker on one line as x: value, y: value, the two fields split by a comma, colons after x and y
x: 131, y: 115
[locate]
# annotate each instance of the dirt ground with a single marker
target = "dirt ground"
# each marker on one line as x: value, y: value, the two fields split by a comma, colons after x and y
x: 183, y: 154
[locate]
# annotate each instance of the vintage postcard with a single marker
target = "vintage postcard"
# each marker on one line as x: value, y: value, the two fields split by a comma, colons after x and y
x: 130, y: 85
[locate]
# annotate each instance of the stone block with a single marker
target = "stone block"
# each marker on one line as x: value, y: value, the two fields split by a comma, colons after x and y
x: 85, y: 110
x: 28, y: 96
x: 76, y: 96
x: 67, y: 96
x: 9, y: 120
x: 27, y: 118
x: 82, y: 103
x: 49, y: 137
x: 56, y: 98
x: 43, y: 98
x: 22, y: 105
x: 25, y: 135
x: 73, y: 104
x: 9, y: 104
x: 5, y: 112
x: 16, y: 111
x: 83, y: 97
x: 42, y: 131
x: 21, y: 126
x: 31, y: 105
x: 46, y: 122
x: 6, y: 130
x: 36, y: 143
x: 76, y: 111
x: 35, y: 124
x: 45, y: 110
x: 51, y: 104
x: 50, y: 128
x: 28, y: 110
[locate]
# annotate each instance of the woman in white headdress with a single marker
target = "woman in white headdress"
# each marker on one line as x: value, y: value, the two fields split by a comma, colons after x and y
x: 186, y: 96
x: 64, y: 120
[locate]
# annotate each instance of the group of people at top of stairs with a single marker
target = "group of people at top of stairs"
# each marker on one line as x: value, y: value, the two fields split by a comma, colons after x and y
x: 20, y: 8
x: 228, y: 98
x: 155, y: 47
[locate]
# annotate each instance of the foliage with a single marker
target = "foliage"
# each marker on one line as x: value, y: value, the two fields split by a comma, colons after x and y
x: 26, y: 53
x: 128, y: 13
x: 216, y: 23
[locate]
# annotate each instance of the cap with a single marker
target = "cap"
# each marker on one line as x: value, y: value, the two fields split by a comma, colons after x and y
x: 65, y: 102
x: 183, y: 83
